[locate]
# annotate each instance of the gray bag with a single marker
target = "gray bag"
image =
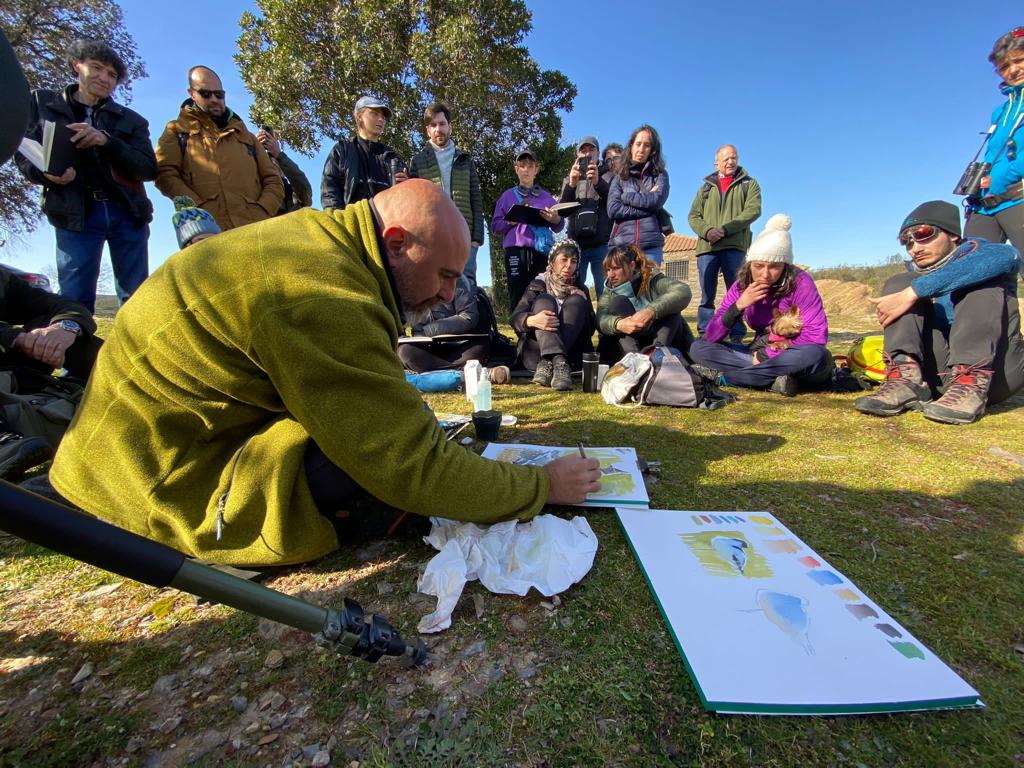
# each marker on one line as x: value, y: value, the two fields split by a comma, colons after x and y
x: 673, y: 381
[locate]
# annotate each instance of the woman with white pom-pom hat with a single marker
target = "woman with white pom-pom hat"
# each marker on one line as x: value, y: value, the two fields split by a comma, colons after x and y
x: 768, y: 284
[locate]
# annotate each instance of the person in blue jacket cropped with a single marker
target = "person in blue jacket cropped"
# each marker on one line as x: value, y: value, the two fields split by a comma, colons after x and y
x: 953, y: 316
x: 998, y: 214
x: 637, y: 194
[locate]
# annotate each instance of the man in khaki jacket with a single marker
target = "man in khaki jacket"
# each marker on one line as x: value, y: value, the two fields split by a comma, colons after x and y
x: 208, y: 154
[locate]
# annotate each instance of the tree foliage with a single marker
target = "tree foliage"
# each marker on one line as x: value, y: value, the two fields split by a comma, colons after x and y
x: 41, y: 31
x: 307, y: 61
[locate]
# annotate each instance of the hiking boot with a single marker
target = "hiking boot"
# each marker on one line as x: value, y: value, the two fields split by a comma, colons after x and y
x: 903, y: 388
x: 545, y: 370
x: 964, y: 401
x: 561, y: 379
x: 499, y: 374
x: 19, y: 453
x: 784, y: 385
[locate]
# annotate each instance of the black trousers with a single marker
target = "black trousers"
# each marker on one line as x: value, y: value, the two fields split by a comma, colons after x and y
x: 671, y: 330
x: 442, y: 355
x: 571, y: 339
x: 521, y: 266
x: 1008, y: 224
x: 986, y: 329
x: 79, y: 358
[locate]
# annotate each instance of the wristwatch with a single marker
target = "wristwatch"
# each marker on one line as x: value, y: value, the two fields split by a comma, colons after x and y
x: 69, y: 325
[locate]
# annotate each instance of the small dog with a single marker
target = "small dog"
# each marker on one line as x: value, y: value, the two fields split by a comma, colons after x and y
x: 786, y: 327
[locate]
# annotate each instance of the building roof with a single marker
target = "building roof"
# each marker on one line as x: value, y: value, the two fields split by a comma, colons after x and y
x: 675, y: 243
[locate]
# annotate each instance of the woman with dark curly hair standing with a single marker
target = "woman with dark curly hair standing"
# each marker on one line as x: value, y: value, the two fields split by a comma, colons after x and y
x: 638, y: 193
x: 997, y: 214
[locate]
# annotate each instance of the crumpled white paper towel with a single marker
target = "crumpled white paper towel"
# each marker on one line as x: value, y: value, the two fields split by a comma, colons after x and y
x: 548, y: 553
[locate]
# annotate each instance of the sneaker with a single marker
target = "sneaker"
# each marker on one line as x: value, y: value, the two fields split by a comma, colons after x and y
x: 711, y: 374
x: 561, y: 379
x: 19, y: 453
x: 903, y: 388
x: 545, y: 370
x: 499, y: 374
x: 784, y: 385
x: 964, y: 401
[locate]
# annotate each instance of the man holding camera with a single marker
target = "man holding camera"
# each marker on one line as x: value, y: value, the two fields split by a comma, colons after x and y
x: 208, y: 154
x: 587, y: 184
x: 725, y: 206
x: 953, y: 316
x: 360, y: 167
x: 455, y: 172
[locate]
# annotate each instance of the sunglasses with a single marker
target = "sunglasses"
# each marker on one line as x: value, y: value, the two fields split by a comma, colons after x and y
x: 922, y: 233
x: 209, y: 94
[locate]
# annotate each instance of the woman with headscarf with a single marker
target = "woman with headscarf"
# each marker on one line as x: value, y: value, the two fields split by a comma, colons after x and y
x: 555, y: 320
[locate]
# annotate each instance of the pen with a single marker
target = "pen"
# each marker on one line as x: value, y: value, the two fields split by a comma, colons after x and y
x: 580, y: 446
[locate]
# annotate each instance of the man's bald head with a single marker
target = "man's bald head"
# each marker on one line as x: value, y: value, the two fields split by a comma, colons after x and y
x: 427, y: 242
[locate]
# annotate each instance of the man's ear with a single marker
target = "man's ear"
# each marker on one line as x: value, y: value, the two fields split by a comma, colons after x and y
x: 394, y: 238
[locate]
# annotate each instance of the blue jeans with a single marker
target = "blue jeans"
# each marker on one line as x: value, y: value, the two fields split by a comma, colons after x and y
x: 655, y: 253
x: 728, y: 262
x: 470, y: 270
x: 808, y: 363
x: 594, y: 258
x: 79, y: 254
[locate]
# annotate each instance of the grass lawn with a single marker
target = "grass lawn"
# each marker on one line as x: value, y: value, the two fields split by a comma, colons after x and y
x: 926, y: 519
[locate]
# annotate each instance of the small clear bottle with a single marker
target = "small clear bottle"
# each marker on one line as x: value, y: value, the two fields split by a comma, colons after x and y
x: 471, y: 375
x: 483, y: 392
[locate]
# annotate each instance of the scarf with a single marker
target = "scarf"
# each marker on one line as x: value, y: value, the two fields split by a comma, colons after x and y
x: 556, y: 286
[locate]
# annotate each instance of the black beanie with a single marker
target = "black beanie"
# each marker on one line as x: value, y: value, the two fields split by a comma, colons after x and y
x: 943, y: 215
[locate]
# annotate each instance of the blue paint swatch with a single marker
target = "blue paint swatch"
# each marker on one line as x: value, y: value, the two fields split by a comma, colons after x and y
x: 825, y: 578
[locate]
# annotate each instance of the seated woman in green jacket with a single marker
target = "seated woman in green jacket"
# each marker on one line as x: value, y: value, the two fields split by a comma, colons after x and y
x: 640, y: 306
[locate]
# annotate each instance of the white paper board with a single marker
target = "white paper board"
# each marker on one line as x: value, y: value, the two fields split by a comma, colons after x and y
x: 765, y: 625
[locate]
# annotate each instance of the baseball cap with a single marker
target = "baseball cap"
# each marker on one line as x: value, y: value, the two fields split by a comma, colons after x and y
x: 527, y: 153
x: 591, y: 140
x: 372, y: 102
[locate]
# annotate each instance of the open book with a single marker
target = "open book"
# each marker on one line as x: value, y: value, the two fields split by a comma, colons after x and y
x: 441, y: 337
x: 524, y: 214
x: 55, y: 154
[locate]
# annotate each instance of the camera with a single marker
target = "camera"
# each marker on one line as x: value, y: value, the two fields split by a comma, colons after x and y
x: 395, y: 165
x: 970, y: 183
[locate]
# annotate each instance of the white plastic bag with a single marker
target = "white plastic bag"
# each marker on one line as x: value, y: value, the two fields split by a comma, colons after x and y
x: 624, y: 377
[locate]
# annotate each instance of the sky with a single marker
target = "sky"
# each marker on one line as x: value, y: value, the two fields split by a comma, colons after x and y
x: 848, y: 113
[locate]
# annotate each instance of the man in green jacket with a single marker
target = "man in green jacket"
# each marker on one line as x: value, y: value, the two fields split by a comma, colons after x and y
x: 725, y: 206
x: 252, y: 389
x: 453, y: 170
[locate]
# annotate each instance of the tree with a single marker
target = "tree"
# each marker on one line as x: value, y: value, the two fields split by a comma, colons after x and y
x: 307, y: 61
x: 41, y: 31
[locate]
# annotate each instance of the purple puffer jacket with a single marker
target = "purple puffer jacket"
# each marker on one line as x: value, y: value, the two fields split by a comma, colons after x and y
x: 520, y: 235
x: 759, y: 315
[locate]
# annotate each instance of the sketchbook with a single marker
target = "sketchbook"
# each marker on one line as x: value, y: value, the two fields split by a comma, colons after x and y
x: 765, y: 625
x: 55, y: 154
x: 621, y: 480
x: 442, y: 337
x: 524, y: 214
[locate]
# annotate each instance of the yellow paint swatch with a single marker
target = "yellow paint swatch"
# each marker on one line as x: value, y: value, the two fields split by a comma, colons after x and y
x: 761, y: 520
x: 848, y: 595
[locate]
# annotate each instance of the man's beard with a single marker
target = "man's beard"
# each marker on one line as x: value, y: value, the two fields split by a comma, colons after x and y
x: 420, y: 314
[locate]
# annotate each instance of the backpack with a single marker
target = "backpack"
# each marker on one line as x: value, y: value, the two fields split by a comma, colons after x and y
x: 866, y: 358
x: 38, y: 404
x: 673, y: 381
x: 503, y: 349
x: 623, y: 378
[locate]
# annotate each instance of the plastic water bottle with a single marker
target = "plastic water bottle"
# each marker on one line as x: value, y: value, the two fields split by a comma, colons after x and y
x: 483, y: 392
x: 471, y: 375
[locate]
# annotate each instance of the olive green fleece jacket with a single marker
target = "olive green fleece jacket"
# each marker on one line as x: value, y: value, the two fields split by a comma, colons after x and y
x: 740, y: 209
x: 465, y: 185
x: 667, y: 297
x: 227, y: 360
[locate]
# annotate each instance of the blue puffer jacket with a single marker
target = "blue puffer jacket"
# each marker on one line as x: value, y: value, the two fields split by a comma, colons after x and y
x: 1005, y: 171
x: 633, y: 207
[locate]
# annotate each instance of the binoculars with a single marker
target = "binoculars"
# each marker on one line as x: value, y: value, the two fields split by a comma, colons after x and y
x: 971, y: 180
